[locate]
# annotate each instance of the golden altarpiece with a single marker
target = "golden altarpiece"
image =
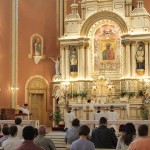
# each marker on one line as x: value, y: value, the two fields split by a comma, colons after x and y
x: 105, y: 57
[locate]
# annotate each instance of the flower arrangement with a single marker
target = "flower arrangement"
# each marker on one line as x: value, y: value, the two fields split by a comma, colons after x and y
x: 144, y: 113
x: 122, y: 94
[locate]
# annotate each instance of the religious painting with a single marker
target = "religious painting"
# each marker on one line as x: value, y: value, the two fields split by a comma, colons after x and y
x: 107, y: 50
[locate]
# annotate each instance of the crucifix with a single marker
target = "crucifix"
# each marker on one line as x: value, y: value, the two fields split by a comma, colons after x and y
x: 87, y: 111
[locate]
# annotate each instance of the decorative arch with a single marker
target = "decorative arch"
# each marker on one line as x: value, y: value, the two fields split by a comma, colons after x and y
x: 103, y: 15
x: 41, y: 83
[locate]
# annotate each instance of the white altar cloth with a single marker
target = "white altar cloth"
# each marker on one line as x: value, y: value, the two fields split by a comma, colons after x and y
x: 116, y: 122
x: 126, y: 106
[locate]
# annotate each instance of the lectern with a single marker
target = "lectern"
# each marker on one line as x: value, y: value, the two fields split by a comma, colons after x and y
x: 7, y: 114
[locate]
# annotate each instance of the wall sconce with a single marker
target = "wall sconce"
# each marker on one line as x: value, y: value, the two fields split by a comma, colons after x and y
x: 13, y: 88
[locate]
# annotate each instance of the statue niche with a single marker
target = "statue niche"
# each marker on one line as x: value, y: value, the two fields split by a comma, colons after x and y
x: 140, y: 62
x: 36, y: 48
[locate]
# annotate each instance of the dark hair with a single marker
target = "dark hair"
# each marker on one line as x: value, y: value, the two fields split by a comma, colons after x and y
x: 143, y: 130
x: 28, y: 133
x: 5, y: 130
x: 18, y: 121
x: 36, y: 132
x: 84, y: 130
x: 25, y: 104
x: 76, y: 122
x: 129, y: 133
x: 88, y: 101
x: 98, y: 107
x: 102, y: 120
x: 13, y: 130
x: 121, y: 128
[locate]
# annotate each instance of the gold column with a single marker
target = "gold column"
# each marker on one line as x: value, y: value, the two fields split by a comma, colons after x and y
x: 63, y: 66
x: 67, y: 62
x: 133, y: 60
x: 146, y: 58
x: 128, y: 60
x: 14, y: 71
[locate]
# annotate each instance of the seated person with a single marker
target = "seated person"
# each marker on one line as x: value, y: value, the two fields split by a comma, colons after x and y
x: 5, y: 132
x: 111, y: 114
x: 72, y: 133
x: 128, y: 136
x: 24, y: 109
x: 141, y: 143
x: 83, y: 143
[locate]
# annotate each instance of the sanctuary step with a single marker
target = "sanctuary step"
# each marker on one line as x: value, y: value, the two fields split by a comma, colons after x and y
x: 58, y: 137
x: 59, y: 128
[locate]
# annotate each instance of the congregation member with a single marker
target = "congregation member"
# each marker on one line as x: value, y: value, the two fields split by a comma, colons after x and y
x: 98, y: 114
x: 28, y: 144
x: 12, y: 142
x: 18, y: 122
x: 5, y: 132
x: 121, y: 129
x: 72, y: 133
x: 143, y: 142
x: 83, y: 143
x: 112, y: 114
x: 69, y: 118
x: 128, y: 136
x: 103, y: 137
x: 42, y: 141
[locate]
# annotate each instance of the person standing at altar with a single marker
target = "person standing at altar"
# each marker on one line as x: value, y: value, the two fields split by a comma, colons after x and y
x: 70, y: 116
x: 24, y: 109
x: 98, y: 114
x: 111, y: 114
x: 88, y: 110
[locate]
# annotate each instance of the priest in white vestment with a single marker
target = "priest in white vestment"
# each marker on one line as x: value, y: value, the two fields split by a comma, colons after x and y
x: 111, y: 114
x: 70, y: 116
x: 88, y: 111
x: 98, y: 114
x: 25, y: 109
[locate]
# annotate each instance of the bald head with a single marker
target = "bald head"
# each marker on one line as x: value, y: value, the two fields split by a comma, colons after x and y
x: 42, y: 130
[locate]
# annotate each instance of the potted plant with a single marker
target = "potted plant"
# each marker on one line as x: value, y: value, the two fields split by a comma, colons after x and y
x: 131, y: 94
x: 122, y: 94
x: 57, y: 117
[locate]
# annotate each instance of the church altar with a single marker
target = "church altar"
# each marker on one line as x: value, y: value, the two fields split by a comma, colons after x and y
x: 124, y: 106
x: 104, y: 57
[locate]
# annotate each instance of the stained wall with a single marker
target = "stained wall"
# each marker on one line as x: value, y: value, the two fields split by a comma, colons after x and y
x: 5, y: 52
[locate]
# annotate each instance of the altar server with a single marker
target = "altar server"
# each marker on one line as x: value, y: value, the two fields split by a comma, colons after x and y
x: 70, y: 116
x: 88, y: 110
x: 98, y: 114
x: 111, y: 114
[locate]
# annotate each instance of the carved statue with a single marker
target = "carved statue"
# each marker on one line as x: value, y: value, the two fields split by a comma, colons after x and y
x: 140, y: 57
x: 37, y: 47
x: 57, y: 64
x: 73, y: 61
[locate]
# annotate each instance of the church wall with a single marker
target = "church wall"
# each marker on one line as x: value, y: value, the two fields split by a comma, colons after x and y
x: 36, y: 16
x: 5, y: 53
